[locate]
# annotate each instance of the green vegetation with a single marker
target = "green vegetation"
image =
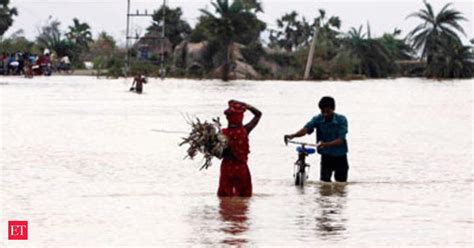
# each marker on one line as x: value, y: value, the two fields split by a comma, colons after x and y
x: 234, y: 22
x: 176, y: 30
x: 373, y: 56
x: 104, y: 55
x: 227, y: 43
x: 6, y: 15
x: 438, y: 39
x: 291, y: 33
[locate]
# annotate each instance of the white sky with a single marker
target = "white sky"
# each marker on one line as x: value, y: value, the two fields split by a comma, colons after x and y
x: 109, y: 15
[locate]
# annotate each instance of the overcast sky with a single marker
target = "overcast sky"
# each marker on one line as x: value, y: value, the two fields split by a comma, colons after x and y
x: 109, y: 15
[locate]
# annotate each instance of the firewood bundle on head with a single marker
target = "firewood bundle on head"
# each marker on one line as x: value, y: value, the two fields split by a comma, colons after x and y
x: 205, y: 138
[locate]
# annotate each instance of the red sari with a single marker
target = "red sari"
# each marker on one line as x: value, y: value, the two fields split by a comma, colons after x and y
x: 235, y: 179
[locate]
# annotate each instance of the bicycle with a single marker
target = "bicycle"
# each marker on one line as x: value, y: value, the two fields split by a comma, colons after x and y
x: 300, y: 173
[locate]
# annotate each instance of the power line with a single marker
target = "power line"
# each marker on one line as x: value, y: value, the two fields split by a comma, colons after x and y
x: 128, y: 37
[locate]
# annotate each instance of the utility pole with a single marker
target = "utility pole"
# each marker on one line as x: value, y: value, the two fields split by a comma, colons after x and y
x: 127, y: 56
x: 129, y: 37
x: 309, y: 62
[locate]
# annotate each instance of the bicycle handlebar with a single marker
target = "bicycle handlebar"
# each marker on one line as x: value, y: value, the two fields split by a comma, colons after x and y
x: 302, y: 143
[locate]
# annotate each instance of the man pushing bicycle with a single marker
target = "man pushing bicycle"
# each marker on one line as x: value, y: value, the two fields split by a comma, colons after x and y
x: 331, y: 130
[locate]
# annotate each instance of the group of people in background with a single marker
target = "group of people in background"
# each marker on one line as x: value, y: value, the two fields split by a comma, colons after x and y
x: 30, y: 64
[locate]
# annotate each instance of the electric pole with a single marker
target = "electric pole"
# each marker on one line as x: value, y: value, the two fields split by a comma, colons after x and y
x: 129, y: 37
x: 127, y: 56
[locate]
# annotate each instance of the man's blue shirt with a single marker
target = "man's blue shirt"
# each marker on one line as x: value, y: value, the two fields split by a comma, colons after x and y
x: 327, y: 131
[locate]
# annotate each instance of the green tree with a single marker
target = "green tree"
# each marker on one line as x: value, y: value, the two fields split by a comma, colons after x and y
x: 102, y: 50
x: 6, y: 15
x: 454, y: 61
x: 80, y: 34
x: 104, y: 42
x: 176, y: 29
x: 373, y: 57
x: 50, y: 36
x: 399, y: 48
x: 435, y: 30
x: 327, y: 27
x: 233, y: 22
x: 292, y: 33
x: 200, y: 31
x: 327, y: 32
x: 16, y: 42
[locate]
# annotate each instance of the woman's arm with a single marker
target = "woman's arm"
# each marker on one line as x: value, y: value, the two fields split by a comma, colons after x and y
x: 257, y: 115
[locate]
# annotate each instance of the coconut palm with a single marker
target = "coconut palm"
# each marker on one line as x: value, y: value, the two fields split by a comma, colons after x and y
x: 327, y: 32
x: 80, y: 34
x: 435, y: 29
x: 455, y: 61
x: 399, y: 48
x: 373, y: 57
x: 232, y: 22
x: 327, y: 27
x: 50, y: 35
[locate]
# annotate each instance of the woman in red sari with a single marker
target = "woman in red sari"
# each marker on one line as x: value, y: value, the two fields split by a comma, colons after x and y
x: 235, y: 177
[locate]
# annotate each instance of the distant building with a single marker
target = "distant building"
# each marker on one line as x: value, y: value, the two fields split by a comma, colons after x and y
x: 149, y: 46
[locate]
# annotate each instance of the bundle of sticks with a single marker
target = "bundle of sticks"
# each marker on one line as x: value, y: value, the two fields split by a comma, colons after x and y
x: 205, y: 138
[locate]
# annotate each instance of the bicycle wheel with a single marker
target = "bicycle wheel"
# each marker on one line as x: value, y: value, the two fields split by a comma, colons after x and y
x: 300, y: 179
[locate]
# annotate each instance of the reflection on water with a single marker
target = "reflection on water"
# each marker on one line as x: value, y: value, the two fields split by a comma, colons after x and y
x: 330, y: 220
x: 320, y: 214
x: 83, y: 156
x: 225, y: 221
x: 233, y: 212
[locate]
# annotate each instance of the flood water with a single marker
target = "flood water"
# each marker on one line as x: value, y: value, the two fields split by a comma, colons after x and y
x: 88, y: 163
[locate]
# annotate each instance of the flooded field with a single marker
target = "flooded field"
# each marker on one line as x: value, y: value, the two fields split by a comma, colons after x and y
x: 88, y: 163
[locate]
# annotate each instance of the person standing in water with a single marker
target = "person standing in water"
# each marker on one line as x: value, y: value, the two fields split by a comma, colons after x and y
x: 138, y: 82
x: 235, y: 179
x: 331, y: 129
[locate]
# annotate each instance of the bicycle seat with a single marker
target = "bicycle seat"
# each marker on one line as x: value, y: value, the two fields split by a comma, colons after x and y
x: 305, y: 150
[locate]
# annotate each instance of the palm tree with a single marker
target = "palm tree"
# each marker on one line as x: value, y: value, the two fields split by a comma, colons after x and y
x: 455, y: 61
x: 327, y: 32
x: 80, y: 34
x: 233, y: 22
x: 50, y: 35
x: 327, y: 27
x: 399, y: 48
x: 374, y: 58
x: 325, y: 37
x: 435, y: 29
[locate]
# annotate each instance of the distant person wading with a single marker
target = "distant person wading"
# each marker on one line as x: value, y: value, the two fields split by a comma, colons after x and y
x: 138, y: 82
